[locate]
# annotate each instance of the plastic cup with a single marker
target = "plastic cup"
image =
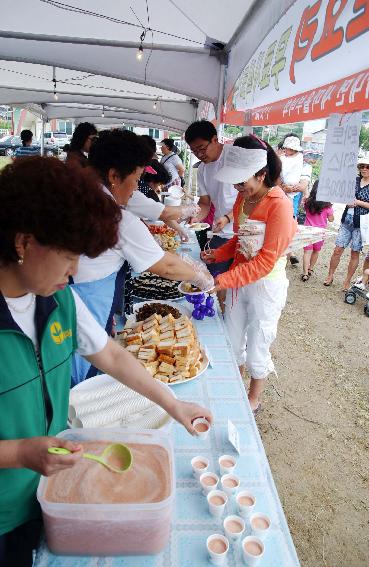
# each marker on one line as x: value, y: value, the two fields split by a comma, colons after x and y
x: 227, y: 464
x: 260, y: 525
x: 230, y: 483
x: 234, y: 527
x: 217, y: 546
x: 245, y: 503
x: 202, y: 427
x: 199, y: 465
x: 252, y: 550
x: 217, y: 500
x: 209, y: 481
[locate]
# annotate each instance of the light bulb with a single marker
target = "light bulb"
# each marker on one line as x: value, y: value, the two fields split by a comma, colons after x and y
x: 55, y: 96
x: 139, y: 53
x: 154, y: 105
x: 102, y: 114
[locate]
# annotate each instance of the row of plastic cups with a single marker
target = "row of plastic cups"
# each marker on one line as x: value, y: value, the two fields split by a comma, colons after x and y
x: 200, y: 465
x: 218, y: 546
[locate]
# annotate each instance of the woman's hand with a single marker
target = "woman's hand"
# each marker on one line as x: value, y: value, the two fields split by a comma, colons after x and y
x: 220, y: 223
x: 33, y: 454
x: 187, y: 412
x: 208, y: 256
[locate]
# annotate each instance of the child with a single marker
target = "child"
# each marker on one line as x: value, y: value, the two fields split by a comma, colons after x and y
x: 318, y: 213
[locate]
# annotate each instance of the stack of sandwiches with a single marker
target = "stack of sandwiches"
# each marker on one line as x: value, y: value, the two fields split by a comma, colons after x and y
x: 165, y: 346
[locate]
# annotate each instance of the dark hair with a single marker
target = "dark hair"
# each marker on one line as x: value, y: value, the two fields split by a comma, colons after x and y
x: 26, y: 136
x: 119, y: 149
x: 162, y: 174
x: 312, y: 205
x: 170, y: 144
x: 66, y: 148
x: 80, y: 135
x: 62, y: 206
x: 274, y: 165
x: 202, y: 129
x: 150, y: 142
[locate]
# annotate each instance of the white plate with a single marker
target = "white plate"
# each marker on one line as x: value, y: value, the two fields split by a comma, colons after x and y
x: 180, y: 287
x: 157, y: 300
x: 185, y: 311
x: 196, y: 226
x: 105, y: 379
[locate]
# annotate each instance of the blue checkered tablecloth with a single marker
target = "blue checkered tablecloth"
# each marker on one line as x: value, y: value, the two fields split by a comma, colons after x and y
x: 221, y: 389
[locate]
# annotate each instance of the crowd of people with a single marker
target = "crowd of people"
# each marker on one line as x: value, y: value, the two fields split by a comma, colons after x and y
x: 71, y: 232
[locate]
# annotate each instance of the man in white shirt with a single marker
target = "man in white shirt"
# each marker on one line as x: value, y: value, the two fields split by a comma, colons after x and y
x: 202, y: 138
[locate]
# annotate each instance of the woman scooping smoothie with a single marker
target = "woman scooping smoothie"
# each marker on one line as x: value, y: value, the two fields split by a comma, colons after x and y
x: 119, y: 159
x: 47, y: 216
x: 256, y: 286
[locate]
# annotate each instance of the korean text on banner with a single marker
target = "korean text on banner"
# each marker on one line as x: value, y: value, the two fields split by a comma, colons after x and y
x: 338, y: 174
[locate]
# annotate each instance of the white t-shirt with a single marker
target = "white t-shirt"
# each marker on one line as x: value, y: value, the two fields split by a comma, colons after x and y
x: 171, y: 162
x: 91, y: 338
x: 222, y: 195
x: 144, y: 207
x: 291, y: 171
x: 135, y: 244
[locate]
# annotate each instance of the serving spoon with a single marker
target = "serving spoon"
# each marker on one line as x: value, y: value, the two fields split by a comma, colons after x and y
x: 115, y: 457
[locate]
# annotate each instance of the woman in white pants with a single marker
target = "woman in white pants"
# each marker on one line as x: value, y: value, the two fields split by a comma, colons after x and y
x: 256, y: 284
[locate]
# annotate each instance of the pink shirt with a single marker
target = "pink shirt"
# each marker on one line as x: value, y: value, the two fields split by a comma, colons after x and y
x: 318, y: 219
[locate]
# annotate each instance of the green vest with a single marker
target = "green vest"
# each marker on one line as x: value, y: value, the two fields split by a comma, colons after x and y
x: 34, y: 393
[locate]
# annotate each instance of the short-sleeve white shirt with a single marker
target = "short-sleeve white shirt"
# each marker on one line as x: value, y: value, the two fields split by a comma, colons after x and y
x: 171, y: 162
x: 222, y: 195
x: 144, y: 207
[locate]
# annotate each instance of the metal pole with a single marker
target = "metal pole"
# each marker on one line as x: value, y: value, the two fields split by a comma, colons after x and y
x: 42, y: 134
x: 190, y: 169
x: 220, y: 99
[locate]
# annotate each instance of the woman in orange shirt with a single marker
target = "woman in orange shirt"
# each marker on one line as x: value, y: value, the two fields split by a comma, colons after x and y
x: 257, y: 286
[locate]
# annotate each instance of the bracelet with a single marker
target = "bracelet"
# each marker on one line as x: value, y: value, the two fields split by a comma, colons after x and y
x: 227, y: 217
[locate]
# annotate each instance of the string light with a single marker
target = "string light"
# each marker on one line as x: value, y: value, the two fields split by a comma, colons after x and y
x: 140, y: 50
x: 155, y: 105
x: 103, y: 113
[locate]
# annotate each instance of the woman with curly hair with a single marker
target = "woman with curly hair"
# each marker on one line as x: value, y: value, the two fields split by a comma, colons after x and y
x: 47, y: 216
x: 119, y: 158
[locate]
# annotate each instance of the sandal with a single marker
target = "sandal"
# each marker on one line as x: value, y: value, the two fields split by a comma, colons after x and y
x: 328, y: 283
x: 310, y: 272
x: 305, y: 277
x: 257, y: 410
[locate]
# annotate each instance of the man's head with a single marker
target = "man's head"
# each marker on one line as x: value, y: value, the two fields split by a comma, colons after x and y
x: 26, y: 137
x: 167, y: 146
x: 202, y: 138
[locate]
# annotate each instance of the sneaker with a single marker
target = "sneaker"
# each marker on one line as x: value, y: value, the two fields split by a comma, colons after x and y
x: 360, y: 285
x: 294, y: 260
x: 367, y: 295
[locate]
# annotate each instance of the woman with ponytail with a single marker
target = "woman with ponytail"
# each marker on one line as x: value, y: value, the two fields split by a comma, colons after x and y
x: 256, y: 286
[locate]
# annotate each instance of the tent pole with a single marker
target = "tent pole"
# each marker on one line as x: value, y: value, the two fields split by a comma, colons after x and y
x: 220, y: 99
x: 42, y: 134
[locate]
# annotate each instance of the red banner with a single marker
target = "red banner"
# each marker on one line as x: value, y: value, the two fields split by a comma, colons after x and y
x: 346, y: 95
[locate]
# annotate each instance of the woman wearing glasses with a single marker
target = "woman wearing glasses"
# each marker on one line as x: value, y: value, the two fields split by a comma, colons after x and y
x: 80, y: 145
x: 349, y: 231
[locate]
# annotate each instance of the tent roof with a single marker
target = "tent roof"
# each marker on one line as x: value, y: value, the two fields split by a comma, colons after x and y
x: 183, y: 44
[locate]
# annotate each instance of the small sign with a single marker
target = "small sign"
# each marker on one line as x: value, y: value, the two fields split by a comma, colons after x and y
x: 234, y: 436
x: 337, y: 179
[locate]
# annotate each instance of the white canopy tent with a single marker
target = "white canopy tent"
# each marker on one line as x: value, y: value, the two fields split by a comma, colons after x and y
x: 185, y: 51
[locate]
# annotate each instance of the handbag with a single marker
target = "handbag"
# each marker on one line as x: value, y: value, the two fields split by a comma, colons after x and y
x: 364, y: 229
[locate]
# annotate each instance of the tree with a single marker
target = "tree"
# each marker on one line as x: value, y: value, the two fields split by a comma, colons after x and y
x: 364, y: 138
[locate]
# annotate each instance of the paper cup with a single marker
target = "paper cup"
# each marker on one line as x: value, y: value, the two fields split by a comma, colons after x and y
x: 217, y: 546
x: 199, y: 465
x: 227, y: 464
x: 245, y: 503
x: 234, y: 527
x: 230, y: 483
x: 217, y: 500
x: 260, y: 525
x: 202, y: 427
x: 252, y: 550
x: 209, y: 481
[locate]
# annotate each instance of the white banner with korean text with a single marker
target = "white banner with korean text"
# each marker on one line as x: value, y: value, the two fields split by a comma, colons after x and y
x: 339, y: 167
x: 314, y: 44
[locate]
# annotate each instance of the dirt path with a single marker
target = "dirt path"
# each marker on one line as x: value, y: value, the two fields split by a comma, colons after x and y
x: 315, y: 422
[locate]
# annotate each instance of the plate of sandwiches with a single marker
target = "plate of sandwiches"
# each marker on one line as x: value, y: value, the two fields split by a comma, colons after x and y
x: 150, y: 286
x: 163, y: 338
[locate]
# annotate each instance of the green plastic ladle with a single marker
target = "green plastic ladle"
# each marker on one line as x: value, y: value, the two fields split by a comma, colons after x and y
x: 116, y: 451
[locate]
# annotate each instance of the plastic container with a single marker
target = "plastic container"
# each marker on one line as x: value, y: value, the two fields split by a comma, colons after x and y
x: 109, y: 529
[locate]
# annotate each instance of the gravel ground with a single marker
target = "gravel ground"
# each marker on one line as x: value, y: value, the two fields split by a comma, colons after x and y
x: 315, y: 421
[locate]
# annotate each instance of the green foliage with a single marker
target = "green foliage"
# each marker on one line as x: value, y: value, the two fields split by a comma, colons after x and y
x: 232, y: 131
x: 5, y: 125
x: 316, y: 170
x: 364, y: 138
